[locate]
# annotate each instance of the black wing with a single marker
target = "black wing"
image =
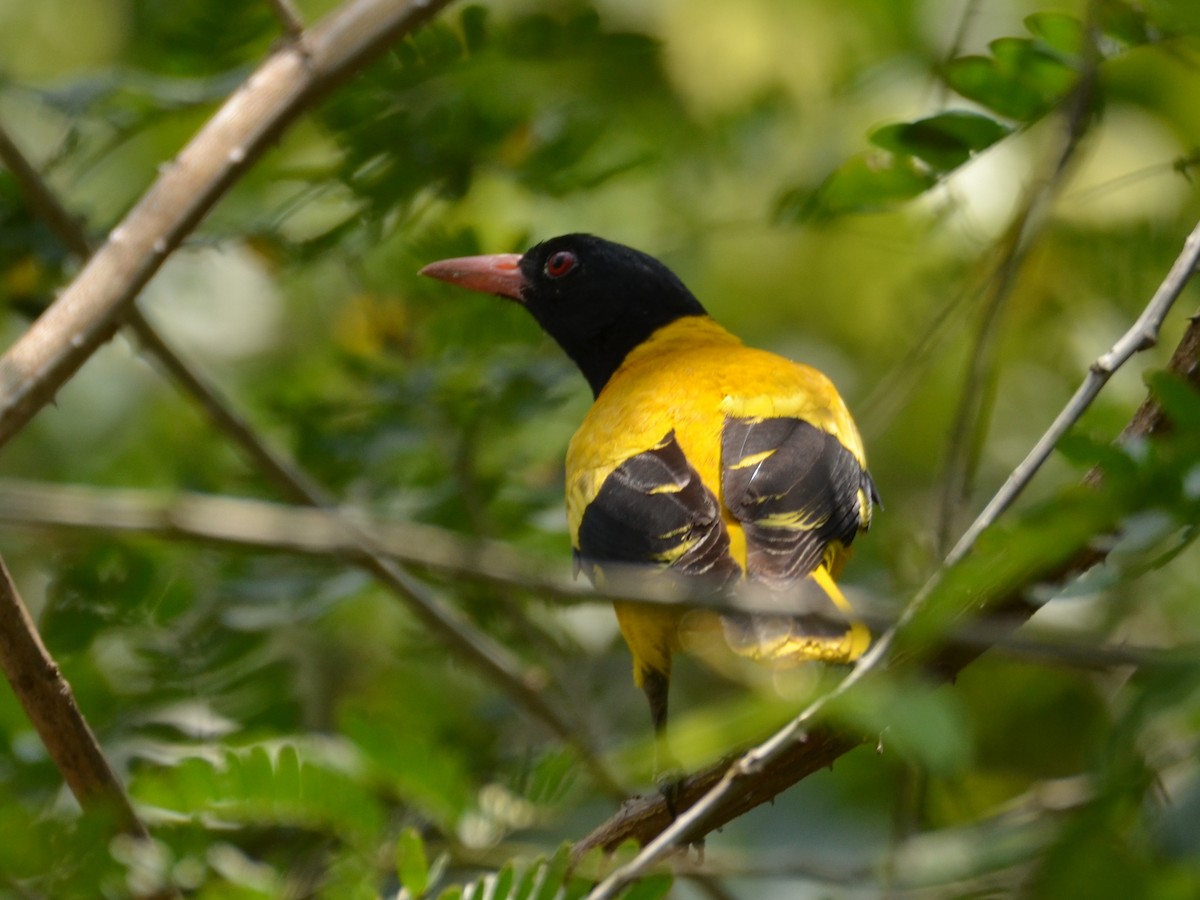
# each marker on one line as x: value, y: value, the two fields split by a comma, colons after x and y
x: 796, y: 489
x: 654, y: 509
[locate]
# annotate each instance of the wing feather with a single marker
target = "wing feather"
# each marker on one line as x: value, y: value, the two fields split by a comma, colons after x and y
x: 654, y: 509
x: 801, y: 496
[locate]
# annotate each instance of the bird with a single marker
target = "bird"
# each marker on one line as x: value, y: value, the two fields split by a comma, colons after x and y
x: 700, y: 457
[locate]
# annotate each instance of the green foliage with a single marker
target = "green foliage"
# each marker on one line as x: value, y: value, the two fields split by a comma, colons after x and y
x: 541, y: 878
x: 536, y: 94
x: 1022, y: 79
x: 287, y: 728
x: 943, y: 142
x: 650, y: 888
x: 412, y: 866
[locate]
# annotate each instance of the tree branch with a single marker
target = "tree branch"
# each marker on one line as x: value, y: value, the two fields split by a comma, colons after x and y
x: 49, y: 703
x: 286, y: 478
x: 1142, y: 335
x: 264, y: 526
x: 289, y: 17
x: 87, y: 312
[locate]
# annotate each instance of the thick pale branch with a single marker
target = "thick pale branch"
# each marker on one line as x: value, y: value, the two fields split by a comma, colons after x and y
x: 87, y: 312
x: 286, y: 477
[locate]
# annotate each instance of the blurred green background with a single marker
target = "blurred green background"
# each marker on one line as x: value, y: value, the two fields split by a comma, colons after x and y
x: 283, y: 721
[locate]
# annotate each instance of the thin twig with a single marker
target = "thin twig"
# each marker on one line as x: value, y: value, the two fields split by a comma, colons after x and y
x: 289, y: 17
x: 966, y: 18
x: 39, y: 196
x: 972, y: 416
x: 1142, y: 335
x: 285, y: 477
x: 264, y: 526
x: 974, y: 406
x: 289, y: 479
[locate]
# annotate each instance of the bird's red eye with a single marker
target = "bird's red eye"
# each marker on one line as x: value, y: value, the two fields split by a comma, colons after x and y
x: 560, y: 263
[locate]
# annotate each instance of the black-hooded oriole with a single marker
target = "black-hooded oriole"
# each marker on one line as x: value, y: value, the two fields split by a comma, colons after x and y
x: 700, y: 454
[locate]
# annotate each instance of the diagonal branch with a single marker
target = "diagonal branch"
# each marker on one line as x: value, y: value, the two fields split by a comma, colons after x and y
x: 726, y: 791
x: 1142, y: 335
x: 286, y: 478
x: 88, y: 311
x: 289, y: 17
x: 50, y: 704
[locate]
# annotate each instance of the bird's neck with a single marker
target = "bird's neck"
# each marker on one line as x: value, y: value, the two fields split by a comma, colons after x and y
x: 599, y: 357
x: 600, y: 360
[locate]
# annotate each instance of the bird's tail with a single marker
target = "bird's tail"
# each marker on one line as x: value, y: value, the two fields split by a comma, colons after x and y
x: 816, y: 634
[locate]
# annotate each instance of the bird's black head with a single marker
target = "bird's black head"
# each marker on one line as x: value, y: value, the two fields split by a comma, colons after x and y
x: 597, y: 299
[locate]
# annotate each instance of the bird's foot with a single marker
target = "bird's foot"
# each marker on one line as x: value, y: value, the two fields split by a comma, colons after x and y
x: 670, y: 788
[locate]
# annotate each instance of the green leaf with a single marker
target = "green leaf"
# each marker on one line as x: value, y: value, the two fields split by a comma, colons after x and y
x: 652, y: 887
x: 1085, y: 452
x: 594, y: 864
x: 578, y: 886
x: 474, y: 22
x: 523, y: 889
x: 1132, y: 27
x: 918, y: 721
x: 503, y: 885
x: 554, y: 873
x: 412, y: 866
x: 977, y: 78
x: 287, y: 779
x: 871, y: 182
x: 943, y: 142
x: 552, y: 775
x: 1058, y: 31
x: 1178, y: 398
x: 1008, y: 555
x: 1032, y: 721
x: 989, y: 84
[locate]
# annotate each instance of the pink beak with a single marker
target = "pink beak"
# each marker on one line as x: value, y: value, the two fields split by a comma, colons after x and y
x: 498, y: 274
